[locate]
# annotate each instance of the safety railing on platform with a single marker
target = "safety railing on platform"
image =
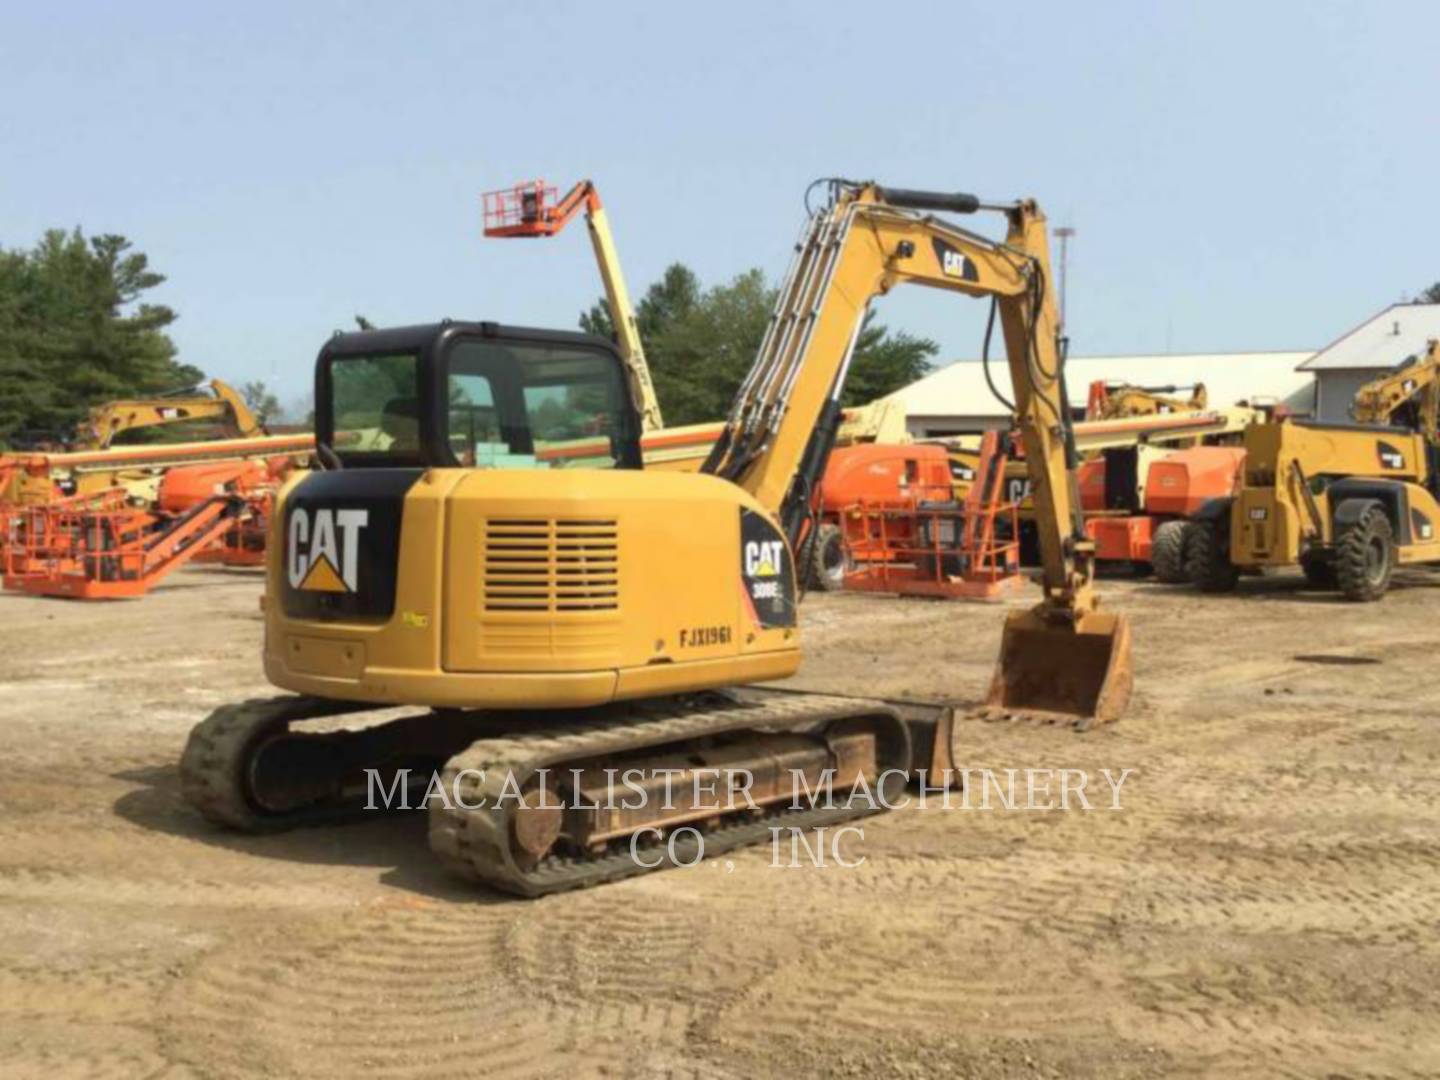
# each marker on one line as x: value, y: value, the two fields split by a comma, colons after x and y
x: 928, y: 544
x: 98, y: 547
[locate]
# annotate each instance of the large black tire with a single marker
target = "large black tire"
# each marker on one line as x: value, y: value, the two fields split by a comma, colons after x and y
x: 1207, y: 558
x: 1365, y: 556
x: 828, y: 559
x: 1319, y: 569
x: 1167, y: 551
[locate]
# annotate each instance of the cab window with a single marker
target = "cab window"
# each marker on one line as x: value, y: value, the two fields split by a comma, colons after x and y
x: 473, y: 422
x: 374, y: 404
x: 535, y: 405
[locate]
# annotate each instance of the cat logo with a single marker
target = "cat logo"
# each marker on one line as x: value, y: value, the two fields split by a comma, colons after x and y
x: 953, y: 262
x: 763, y: 558
x: 1390, y: 456
x: 323, y: 555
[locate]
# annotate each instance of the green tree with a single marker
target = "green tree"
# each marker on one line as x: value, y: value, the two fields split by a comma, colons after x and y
x: 75, y: 331
x: 673, y: 297
x: 700, y: 343
x: 885, y: 361
x: 261, y: 402
x: 1430, y: 295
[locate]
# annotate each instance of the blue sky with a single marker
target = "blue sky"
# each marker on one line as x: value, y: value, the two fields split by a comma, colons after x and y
x: 1241, y: 176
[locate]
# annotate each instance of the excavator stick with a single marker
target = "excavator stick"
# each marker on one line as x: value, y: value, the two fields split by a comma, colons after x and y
x: 1080, y: 671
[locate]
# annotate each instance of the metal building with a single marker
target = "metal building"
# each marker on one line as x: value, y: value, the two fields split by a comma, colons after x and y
x: 956, y: 400
x: 1369, y: 350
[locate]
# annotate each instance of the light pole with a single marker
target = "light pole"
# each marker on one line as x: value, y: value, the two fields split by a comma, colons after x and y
x: 1063, y: 233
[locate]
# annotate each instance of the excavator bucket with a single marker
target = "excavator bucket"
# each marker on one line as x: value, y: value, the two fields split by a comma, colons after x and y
x: 1082, y: 672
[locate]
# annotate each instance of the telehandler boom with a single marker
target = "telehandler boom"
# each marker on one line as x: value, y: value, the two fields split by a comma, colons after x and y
x: 564, y: 618
x: 1114, y: 400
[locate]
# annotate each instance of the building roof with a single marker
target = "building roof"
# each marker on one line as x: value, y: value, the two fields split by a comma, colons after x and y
x: 1382, y: 341
x: 959, y: 389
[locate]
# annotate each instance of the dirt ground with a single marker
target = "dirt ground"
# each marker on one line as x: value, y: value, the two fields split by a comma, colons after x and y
x: 1265, y: 902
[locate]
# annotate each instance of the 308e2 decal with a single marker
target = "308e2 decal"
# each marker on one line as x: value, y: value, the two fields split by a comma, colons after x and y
x: 767, y: 573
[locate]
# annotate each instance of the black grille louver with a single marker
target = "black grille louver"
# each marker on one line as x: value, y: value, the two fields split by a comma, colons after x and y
x: 550, y: 565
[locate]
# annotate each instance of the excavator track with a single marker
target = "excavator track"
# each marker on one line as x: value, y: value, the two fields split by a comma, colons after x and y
x: 244, y: 768
x: 478, y: 833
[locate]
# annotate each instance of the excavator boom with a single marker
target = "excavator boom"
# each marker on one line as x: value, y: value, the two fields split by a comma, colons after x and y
x: 107, y: 421
x: 1064, y: 656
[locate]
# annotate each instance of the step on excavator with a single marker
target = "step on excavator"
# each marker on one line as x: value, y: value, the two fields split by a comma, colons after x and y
x: 552, y: 626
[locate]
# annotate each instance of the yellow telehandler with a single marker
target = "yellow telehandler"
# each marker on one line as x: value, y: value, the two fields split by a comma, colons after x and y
x: 1347, y: 503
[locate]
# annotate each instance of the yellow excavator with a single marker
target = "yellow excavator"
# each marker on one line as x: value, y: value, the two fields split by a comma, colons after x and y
x: 222, y: 405
x: 1409, y: 396
x: 565, y: 617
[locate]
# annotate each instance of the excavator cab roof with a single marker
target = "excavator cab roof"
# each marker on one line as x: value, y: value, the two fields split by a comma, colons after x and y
x: 474, y: 394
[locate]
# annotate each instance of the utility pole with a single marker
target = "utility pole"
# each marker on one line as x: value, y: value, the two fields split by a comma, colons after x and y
x: 1063, y: 233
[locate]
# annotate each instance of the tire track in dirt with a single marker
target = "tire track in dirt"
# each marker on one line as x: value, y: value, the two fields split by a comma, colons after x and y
x: 440, y: 988
x: 1255, y: 1007
x: 399, y: 991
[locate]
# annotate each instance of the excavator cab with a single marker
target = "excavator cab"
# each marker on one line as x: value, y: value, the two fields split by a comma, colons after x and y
x: 474, y: 395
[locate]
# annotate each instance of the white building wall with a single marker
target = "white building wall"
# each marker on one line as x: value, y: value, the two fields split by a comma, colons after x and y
x: 1335, y: 390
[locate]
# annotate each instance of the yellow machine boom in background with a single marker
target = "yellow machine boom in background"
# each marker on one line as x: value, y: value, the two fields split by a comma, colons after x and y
x: 105, y: 422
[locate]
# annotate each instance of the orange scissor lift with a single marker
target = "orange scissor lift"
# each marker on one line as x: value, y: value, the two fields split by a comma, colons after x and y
x: 930, y: 545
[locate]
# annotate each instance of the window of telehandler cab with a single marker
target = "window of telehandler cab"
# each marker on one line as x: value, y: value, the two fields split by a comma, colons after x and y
x: 505, y: 403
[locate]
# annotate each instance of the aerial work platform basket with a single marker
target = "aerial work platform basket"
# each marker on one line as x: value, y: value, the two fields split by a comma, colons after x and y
x: 102, y: 548
x: 531, y: 208
x: 936, y: 546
